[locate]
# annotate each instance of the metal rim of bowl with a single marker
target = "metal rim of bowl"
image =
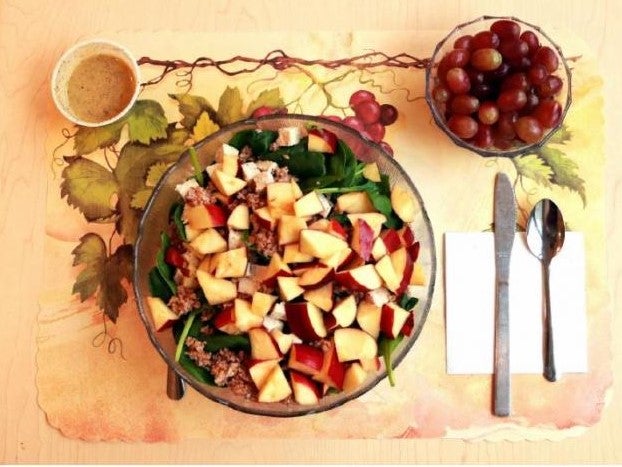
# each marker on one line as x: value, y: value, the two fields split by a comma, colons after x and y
x: 199, y: 387
x: 440, y: 120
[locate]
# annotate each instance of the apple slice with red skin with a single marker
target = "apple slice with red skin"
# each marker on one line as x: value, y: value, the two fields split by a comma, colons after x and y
x: 263, y: 345
x: 368, y: 318
x: 306, y: 391
x: 276, y: 268
x: 260, y: 369
x: 289, y: 288
x: 333, y: 371
x: 413, y: 251
x: 355, y: 202
x: 345, y: 311
x: 309, y: 205
x: 370, y: 364
x: 373, y: 219
x: 385, y: 269
x: 321, y: 297
x: 335, y: 228
x: 409, y: 325
x: 275, y: 387
x: 354, y: 377
x: 403, y: 266
x: 362, y: 239
x: 330, y: 322
x: 292, y: 254
x: 305, y: 320
x: 392, y: 319
x: 316, y: 277
x: 320, y: 140
x: 305, y: 359
x: 362, y: 278
x: 264, y: 218
x: 354, y: 344
x: 320, y: 244
x: 163, y: 317
x: 203, y: 217
x: 320, y: 224
x: 262, y: 303
x: 406, y: 235
x: 391, y: 239
x: 339, y: 259
x: 225, y: 320
x: 300, y: 268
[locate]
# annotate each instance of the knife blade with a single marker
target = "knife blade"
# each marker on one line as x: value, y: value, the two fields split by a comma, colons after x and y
x: 504, y: 228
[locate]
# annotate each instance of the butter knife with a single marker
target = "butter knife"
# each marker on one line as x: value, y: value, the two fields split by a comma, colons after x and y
x: 504, y: 227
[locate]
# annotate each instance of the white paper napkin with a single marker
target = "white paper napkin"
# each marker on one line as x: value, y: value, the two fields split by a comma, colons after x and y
x: 470, y: 303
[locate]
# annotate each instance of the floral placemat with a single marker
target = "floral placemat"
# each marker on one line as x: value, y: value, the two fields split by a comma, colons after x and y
x: 98, y: 376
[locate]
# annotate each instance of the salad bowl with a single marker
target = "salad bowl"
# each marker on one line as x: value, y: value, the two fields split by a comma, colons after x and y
x: 389, y: 350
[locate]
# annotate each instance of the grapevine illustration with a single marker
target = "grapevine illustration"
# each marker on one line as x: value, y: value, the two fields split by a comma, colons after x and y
x: 109, y: 176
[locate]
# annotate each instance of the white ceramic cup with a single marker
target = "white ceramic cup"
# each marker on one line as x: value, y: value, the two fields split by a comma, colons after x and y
x: 75, y: 55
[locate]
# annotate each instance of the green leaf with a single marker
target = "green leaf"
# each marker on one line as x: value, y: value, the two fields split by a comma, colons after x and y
x: 215, y: 342
x: 204, y: 127
x: 533, y: 167
x: 407, y: 302
x: 165, y: 270
x: 177, y: 135
x: 230, y: 106
x: 155, y: 173
x: 269, y: 98
x: 385, y: 348
x: 140, y: 198
x: 158, y: 286
x: 561, y: 136
x: 89, y: 187
x: 91, y: 252
x: 197, y: 372
x: 147, y: 122
x: 191, y: 107
x: 181, y: 341
x: 258, y: 141
x: 564, y: 171
x: 131, y: 173
x: 176, y: 213
x: 298, y: 160
x: 89, y: 139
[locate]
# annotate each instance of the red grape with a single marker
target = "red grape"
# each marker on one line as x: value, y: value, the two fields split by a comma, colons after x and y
x: 375, y: 131
x: 532, y: 101
x: 388, y: 114
x: 506, y: 29
x: 513, y: 49
x: 333, y: 118
x: 464, y: 42
x: 483, y: 137
x: 440, y: 93
x: 386, y: 147
x: 537, y: 74
x: 464, y: 104
x: 512, y: 99
x: 263, y: 110
x: 458, y: 81
x: 486, y: 59
x: 354, y: 123
x: 482, y: 91
x: 485, y: 39
x: 531, y: 38
x: 528, y: 129
x: 505, y: 125
x: 551, y: 86
x: 462, y: 126
x: 488, y: 113
x: 547, y: 57
x: 367, y: 111
x: 516, y: 81
x: 457, y: 58
x: 548, y: 112
x: 361, y: 96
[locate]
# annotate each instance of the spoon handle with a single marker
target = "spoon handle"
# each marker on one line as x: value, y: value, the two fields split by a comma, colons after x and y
x: 175, y: 388
x: 549, y: 357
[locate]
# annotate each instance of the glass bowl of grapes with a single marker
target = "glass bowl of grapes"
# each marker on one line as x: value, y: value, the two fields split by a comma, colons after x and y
x: 498, y: 86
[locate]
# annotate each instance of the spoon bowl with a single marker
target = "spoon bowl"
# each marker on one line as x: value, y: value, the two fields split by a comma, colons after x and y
x: 545, y: 237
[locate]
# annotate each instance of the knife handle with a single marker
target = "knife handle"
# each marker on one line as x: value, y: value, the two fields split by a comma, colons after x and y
x: 502, y: 351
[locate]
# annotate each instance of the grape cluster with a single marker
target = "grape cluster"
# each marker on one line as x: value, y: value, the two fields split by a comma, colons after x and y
x: 498, y: 87
x: 370, y: 117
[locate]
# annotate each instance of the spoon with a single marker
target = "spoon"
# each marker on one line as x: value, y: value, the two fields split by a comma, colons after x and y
x: 175, y: 388
x: 545, y: 237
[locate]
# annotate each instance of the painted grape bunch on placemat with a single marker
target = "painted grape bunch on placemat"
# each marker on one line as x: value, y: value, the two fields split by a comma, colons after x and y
x: 109, y: 178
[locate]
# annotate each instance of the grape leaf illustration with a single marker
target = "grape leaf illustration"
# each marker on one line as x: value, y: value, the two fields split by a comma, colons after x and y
x: 147, y: 122
x: 102, y: 274
x: 564, y: 171
x: 533, y: 167
x: 131, y: 173
x: 89, y: 187
x: 191, y: 107
x: 230, y: 106
x: 204, y: 127
x: 268, y: 98
x: 155, y: 172
x: 561, y: 136
x: 88, y: 140
x: 177, y: 135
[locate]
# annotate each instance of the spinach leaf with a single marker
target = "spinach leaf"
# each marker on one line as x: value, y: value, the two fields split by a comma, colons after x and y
x: 259, y: 141
x: 198, y: 172
x: 407, y: 302
x: 199, y: 373
x: 215, y: 342
x: 386, y: 347
x: 177, y: 210
x: 158, y: 286
x: 165, y: 271
x: 299, y: 161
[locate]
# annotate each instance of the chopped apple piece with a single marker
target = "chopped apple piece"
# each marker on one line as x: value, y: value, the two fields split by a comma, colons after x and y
x: 161, y: 314
x: 289, y: 229
x: 345, y: 311
x: 321, y: 297
x: 260, y: 369
x: 403, y: 266
x: 231, y: 263
x: 371, y: 172
x: 290, y: 135
x: 245, y: 319
x: 320, y: 244
x: 275, y: 269
x: 289, y: 288
x: 362, y: 239
x: 362, y: 278
x: 354, y: 377
x: 275, y: 387
x: 354, y: 344
x: 355, y: 202
x: 296, y: 189
x: 209, y: 241
x: 392, y: 319
x: 281, y: 198
x: 308, y: 205
x: 248, y: 286
x: 391, y: 239
x: 227, y: 184
x: 203, y: 217
x: 292, y: 254
x: 320, y: 224
x: 305, y: 320
x: 339, y: 259
x: 225, y: 149
x: 216, y: 291
x: 262, y: 303
x: 306, y: 392
x: 378, y: 249
x: 333, y: 371
x: 230, y: 164
x: 370, y: 364
x: 321, y: 140
x: 374, y: 219
x: 385, y: 269
x: 225, y: 321
x: 283, y: 340
x: 263, y: 345
x: 316, y: 277
x: 306, y: 359
x: 418, y: 275
x: 239, y: 218
x: 265, y: 219
x: 336, y: 229
x: 368, y: 317
x: 403, y: 204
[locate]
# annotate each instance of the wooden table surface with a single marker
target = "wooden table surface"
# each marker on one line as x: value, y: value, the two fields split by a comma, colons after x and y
x: 33, y: 33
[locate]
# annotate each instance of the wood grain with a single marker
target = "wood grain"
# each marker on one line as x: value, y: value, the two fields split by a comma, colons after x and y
x: 33, y: 33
